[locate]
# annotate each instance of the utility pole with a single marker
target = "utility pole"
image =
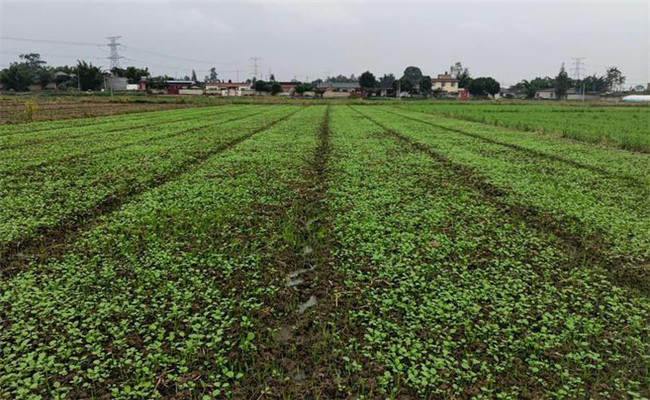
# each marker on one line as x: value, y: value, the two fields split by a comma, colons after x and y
x: 255, y: 65
x: 115, y: 56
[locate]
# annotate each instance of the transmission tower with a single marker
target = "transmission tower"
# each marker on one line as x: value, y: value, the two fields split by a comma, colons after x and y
x: 578, y: 67
x: 255, y: 65
x: 115, y: 56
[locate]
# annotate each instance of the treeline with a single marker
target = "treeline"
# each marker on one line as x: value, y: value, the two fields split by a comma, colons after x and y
x: 612, y: 81
x: 414, y: 82
x: 31, y: 70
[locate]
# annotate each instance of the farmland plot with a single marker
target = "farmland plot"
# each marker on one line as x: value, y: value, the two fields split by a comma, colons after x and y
x: 624, y: 127
x: 323, y: 251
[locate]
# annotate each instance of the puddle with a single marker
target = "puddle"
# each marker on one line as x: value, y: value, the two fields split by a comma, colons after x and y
x: 309, y: 303
x: 294, y: 282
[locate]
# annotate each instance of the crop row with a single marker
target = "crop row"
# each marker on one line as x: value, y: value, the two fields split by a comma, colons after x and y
x: 30, y: 138
x: 447, y: 296
x: 43, y: 199
x: 160, y: 298
x: 68, y: 147
x: 606, y: 213
x: 625, y: 127
x: 66, y: 124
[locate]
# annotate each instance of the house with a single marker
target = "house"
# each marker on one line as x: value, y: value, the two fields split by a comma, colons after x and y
x: 575, y: 94
x: 174, y: 86
x: 229, y: 89
x: 331, y: 90
x: 446, y: 83
x: 288, y: 88
x: 546, y: 94
x: 116, y: 83
x: 386, y: 89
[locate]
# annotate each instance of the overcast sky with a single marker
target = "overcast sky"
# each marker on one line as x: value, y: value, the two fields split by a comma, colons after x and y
x: 507, y: 40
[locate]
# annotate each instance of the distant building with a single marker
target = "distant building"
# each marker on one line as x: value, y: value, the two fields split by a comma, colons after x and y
x: 446, y: 83
x: 174, y: 86
x: 339, y: 89
x: 116, y: 83
x: 288, y: 88
x: 229, y: 89
x: 546, y: 94
x: 574, y: 94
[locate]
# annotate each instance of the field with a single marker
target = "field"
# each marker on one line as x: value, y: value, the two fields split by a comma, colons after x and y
x: 624, y: 127
x: 327, y: 250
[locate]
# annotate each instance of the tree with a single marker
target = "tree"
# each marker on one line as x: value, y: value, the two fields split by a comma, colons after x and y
x: 367, y: 81
x: 133, y: 74
x: 387, y: 81
x: 213, y: 77
x: 413, y: 75
x: 614, y: 78
x: 341, y: 79
x: 404, y: 85
x: 194, y: 76
x: 272, y: 78
x: 30, y: 70
x: 90, y: 77
x: 16, y: 77
x: 301, y: 88
x: 485, y: 86
x: 595, y: 83
x: 276, y: 88
x: 261, y: 86
x: 425, y: 85
x: 562, y: 83
x: 462, y: 74
x: 531, y: 87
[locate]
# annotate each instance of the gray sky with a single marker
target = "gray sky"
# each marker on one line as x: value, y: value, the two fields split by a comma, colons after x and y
x: 507, y: 40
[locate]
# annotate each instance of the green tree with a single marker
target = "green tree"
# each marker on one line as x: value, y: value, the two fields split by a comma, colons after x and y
x: 531, y: 87
x: 595, y: 83
x: 404, y: 85
x: 90, y: 77
x: 16, y: 77
x: 301, y: 88
x: 462, y: 74
x: 413, y: 75
x: 261, y: 86
x: 614, y: 79
x: 483, y: 87
x: 562, y: 83
x: 387, y: 81
x: 194, y: 76
x: 276, y: 88
x: 425, y: 85
x: 367, y: 81
x: 28, y: 71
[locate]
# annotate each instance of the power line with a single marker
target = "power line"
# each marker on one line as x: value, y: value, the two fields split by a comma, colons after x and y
x: 48, y: 41
x: 177, y: 57
x: 123, y: 46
